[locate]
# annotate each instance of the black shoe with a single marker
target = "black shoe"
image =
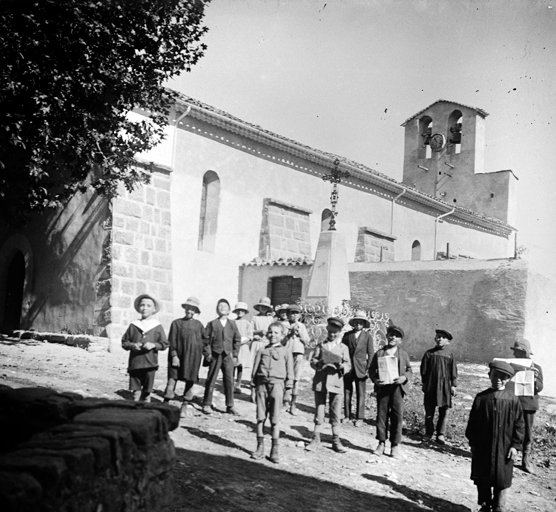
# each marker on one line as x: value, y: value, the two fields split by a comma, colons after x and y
x: 231, y: 410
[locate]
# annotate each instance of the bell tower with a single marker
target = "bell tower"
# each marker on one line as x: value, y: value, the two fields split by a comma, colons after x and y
x: 444, y: 156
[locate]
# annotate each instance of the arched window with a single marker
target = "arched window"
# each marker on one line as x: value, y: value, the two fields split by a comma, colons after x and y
x: 325, y: 219
x: 14, y: 292
x: 416, y: 250
x: 455, y: 126
x: 425, y: 132
x: 210, y: 201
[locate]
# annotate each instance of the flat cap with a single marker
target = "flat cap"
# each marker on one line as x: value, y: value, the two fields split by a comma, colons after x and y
x: 444, y: 333
x: 394, y: 329
x: 502, y: 367
x: 334, y: 320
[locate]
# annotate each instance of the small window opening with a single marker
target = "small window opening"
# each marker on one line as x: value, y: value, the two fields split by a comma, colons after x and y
x: 425, y: 133
x: 455, y: 127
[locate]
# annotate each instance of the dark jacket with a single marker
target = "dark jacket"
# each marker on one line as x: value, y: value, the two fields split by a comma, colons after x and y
x: 404, y: 369
x: 142, y: 358
x: 222, y: 340
x: 495, y: 425
x: 360, y: 352
x: 439, y: 373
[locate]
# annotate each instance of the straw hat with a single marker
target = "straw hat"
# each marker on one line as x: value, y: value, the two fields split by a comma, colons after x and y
x: 360, y: 315
x: 294, y: 308
x: 146, y: 296
x: 263, y: 301
x: 194, y: 302
x: 241, y: 306
x: 282, y: 307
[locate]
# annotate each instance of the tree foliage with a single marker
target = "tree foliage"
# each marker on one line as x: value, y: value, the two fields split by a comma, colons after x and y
x: 70, y: 71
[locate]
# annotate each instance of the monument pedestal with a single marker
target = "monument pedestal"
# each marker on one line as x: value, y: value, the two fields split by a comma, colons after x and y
x: 329, y: 282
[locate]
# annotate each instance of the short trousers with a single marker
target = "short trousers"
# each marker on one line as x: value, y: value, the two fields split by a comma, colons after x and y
x: 142, y: 379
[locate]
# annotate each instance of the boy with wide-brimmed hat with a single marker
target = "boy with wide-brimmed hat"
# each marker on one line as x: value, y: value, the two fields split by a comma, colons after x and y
x: 220, y: 351
x: 186, y: 337
x: 439, y: 378
x: 296, y: 341
x: 360, y: 345
x: 529, y: 404
x: 390, y: 395
x: 245, y: 328
x: 260, y: 325
x: 144, y: 338
x: 495, y: 434
x: 330, y: 362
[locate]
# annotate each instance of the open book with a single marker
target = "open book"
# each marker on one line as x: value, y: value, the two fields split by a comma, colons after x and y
x: 524, y: 378
x: 388, y: 369
x: 329, y: 357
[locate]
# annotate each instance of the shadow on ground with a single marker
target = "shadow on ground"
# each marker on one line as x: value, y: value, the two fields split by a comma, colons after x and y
x: 217, y: 483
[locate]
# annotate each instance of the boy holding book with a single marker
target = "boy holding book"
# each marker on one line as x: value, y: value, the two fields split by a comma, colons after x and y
x: 391, y: 385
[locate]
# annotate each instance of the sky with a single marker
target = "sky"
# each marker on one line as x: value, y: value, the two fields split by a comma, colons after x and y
x: 343, y: 75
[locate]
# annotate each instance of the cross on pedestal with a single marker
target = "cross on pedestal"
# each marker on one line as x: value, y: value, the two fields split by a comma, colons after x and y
x: 335, y: 178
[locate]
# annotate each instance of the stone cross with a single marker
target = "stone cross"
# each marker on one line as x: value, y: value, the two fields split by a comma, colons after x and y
x: 335, y: 178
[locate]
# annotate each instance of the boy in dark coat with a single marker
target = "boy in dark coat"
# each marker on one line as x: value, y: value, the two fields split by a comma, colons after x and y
x: 221, y: 349
x: 529, y: 404
x: 272, y: 375
x: 186, y: 340
x: 144, y: 338
x: 439, y: 376
x: 360, y: 346
x: 390, y: 396
x: 495, y: 433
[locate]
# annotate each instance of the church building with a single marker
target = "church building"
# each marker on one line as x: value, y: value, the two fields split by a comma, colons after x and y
x: 227, y: 195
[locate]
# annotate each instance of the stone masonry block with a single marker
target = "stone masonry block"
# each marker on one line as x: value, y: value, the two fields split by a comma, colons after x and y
x: 304, y: 226
x: 148, y: 213
x: 124, y: 237
x: 163, y: 200
x: 140, y: 287
x: 122, y: 301
x: 164, y: 232
x: 150, y: 195
x: 145, y: 258
x: 148, y: 243
x: 118, y: 221
x: 288, y: 233
x: 276, y: 220
x: 292, y: 246
x: 156, y: 216
x: 160, y: 276
x: 145, y: 228
x: 299, y: 236
x: 275, y: 242
x: 121, y: 270
x: 132, y: 209
x: 275, y: 230
x: 132, y: 255
x: 160, y: 245
x: 137, y: 194
x: 144, y: 273
x: 132, y: 224
x: 162, y: 183
x: 162, y: 261
x: 305, y: 249
x: 128, y: 287
x: 166, y: 218
x: 290, y: 223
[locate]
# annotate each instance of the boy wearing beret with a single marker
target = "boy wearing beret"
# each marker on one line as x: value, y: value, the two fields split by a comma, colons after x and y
x: 529, y: 404
x: 186, y: 338
x: 144, y: 338
x: 220, y: 351
x: 439, y: 374
x: 330, y: 362
x: 390, y: 396
x: 495, y: 433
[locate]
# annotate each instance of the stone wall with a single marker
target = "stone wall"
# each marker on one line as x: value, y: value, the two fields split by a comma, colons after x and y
x: 61, y: 453
x: 374, y: 246
x: 285, y: 231
x: 140, y: 253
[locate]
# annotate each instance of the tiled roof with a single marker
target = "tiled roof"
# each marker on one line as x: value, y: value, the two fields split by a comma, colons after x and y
x: 261, y: 262
x: 236, y: 125
x: 479, y: 111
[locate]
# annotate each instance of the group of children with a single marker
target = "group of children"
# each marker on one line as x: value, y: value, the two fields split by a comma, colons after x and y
x: 274, y: 347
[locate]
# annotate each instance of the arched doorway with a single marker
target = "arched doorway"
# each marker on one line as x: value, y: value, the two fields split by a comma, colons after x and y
x: 416, y: 250
x: 15, y: 281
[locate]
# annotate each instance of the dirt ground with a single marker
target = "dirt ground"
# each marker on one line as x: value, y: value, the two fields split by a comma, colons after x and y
x: 214, y: 471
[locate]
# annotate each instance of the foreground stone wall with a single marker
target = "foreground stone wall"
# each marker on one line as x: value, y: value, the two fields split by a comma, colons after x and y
x: 59, y: 452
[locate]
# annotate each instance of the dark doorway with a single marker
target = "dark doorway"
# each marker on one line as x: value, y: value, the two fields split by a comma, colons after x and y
x: 285, y: 290
x: 14, y: 293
